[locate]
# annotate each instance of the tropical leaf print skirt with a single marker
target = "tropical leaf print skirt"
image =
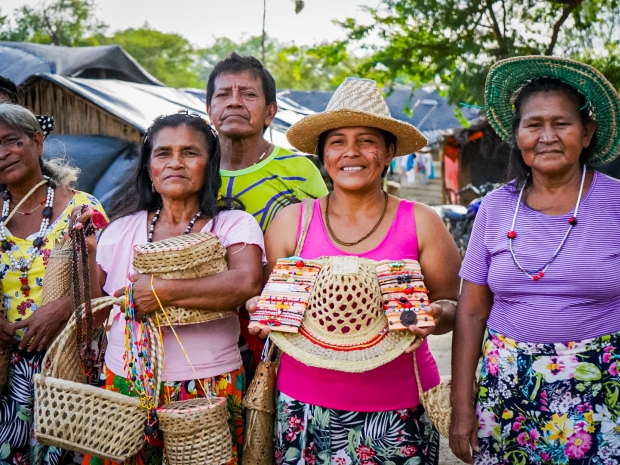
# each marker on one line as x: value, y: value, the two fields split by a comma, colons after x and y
x: 549, y: 403
x: 229, y: 385
x: 311, y: 435
x: 17, y: 443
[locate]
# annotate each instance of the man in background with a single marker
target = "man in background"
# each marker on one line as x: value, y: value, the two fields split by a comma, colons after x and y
x: 241, y: 103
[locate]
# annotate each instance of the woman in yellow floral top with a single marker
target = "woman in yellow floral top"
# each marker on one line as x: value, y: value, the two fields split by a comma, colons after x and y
x: 26, y: 240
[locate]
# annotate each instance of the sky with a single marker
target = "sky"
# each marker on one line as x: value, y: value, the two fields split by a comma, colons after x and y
x: 201, y: 20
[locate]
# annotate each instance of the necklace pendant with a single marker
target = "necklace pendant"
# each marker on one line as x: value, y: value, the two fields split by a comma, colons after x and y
x: 6, y: 245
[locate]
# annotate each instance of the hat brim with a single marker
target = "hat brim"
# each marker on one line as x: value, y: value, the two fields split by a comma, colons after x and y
x: 301, y: 348
x: 304, y: 135
x: 507, y: 76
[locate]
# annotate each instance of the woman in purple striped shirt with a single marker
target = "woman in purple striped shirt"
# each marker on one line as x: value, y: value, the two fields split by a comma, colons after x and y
x: 540, y: 277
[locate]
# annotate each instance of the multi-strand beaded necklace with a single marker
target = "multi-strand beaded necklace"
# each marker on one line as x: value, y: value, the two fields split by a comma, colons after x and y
x: 138, y: 360
x: 24, y: 263
x: 539, y: 273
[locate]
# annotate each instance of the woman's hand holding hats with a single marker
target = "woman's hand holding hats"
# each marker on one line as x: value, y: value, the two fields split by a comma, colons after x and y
x: 436, y: 311
x: 250, y: 306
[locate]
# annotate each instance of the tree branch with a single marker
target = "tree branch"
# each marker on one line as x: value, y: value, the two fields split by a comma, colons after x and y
x: 568, y: 9
x: 496, y: 29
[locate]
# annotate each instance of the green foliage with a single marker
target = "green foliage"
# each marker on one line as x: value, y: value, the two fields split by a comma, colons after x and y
x: 321, y: 67
x: 454, y: 42
x: 59, y: 22
x: 168, y: 57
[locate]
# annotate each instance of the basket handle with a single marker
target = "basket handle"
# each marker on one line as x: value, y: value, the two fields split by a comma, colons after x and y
x: 67, y: 335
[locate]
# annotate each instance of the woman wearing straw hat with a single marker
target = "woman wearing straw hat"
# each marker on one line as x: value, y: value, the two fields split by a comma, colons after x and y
x: 352, y: 397
x: 174, y: 191
x: 540, y: 276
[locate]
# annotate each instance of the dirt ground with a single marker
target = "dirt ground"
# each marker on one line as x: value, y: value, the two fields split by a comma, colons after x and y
x: 441, y: 347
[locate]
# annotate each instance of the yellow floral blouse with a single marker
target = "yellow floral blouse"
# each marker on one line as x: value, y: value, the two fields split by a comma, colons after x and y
x: 18, y: 306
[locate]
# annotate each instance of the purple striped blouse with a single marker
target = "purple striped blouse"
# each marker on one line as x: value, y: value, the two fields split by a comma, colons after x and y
x: 579, y: 296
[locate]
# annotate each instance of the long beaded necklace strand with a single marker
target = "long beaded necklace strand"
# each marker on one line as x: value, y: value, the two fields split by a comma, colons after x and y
x: 25, y: 262
x: 138, y: 347
x: 138, y: 353
x: 535, y: 275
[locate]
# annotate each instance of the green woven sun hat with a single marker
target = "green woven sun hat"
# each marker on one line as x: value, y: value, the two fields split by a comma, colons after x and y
x: 507, y: 77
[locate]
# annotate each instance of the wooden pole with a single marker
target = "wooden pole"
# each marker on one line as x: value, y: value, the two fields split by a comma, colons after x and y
x: 264, y: 32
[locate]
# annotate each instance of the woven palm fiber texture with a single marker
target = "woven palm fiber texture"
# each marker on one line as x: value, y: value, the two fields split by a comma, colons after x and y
x: 436, y: 402
x: 183, y: 257
x: 260, y: 401
x: 83, y: 418
x: 58, y: 278
x: 356, y: 102
x: 345, y: 327
x: 196, y: 431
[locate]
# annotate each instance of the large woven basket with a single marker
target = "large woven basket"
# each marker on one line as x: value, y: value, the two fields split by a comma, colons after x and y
x: 196, y: 431
x: 57, y: 281
x: 183, y: 257
x: 5, y: 352
x: 84, y: 418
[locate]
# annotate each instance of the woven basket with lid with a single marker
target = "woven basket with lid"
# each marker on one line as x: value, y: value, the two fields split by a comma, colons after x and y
x: 183, y: 257
x: 83, y: 418
x: 196, y: 431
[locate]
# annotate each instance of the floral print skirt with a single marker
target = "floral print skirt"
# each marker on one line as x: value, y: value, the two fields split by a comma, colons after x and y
x: 549, y: 403
x: 229, y: 385
x: 311, y: 435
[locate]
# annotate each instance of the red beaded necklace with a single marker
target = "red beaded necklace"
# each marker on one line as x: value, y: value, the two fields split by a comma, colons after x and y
x: 539, y: 273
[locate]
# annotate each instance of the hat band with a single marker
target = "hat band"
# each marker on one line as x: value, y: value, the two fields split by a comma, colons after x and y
x: 349, y: 348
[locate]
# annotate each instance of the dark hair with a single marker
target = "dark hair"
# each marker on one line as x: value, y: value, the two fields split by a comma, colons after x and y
x: 237, y: 64
x: 137, y: 194
x: 388, y: 138
x: 9, y: 88
x: 517, y: 169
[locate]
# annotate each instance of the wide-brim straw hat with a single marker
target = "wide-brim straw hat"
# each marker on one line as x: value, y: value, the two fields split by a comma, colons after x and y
x: 507, y: 77
x: 356, y: 102
x: 345, y: 327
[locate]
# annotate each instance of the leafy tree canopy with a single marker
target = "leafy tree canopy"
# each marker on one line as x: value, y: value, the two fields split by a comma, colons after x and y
x: 454, y: 42
x: 168, y: 57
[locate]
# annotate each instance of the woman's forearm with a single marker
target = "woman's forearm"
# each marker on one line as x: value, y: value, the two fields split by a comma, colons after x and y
x: 221, y: 291
x: 466, y: 343
x: 446, y: 324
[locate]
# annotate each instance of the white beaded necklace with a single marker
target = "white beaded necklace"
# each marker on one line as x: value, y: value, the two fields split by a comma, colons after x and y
x: 539, y: 273
x: 24, y: 263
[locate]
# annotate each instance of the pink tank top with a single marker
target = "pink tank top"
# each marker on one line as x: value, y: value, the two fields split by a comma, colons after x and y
x: 389, y: 387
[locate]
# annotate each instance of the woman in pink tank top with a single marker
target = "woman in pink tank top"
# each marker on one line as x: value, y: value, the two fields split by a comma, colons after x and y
x: 374, y: 416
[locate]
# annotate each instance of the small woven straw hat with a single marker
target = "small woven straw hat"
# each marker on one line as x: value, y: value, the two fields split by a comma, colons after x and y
x: 344, y: 327
x: 356, y: 102
x: 507, y: 77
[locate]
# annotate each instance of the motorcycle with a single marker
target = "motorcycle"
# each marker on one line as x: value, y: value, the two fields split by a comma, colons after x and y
x: 459, y: 219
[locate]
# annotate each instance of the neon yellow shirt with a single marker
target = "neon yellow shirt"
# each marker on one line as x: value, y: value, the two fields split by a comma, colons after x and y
x: 18, y: 306
x: 279, y: 180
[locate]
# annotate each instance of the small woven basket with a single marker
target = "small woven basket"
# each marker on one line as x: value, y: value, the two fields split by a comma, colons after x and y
x: 5, y: 352
x: 83, y: 418
x: 260, y: 403
x: 183, y: 257
x: 57, y: 281
x: 436, y: 402
x: 196, y: 431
